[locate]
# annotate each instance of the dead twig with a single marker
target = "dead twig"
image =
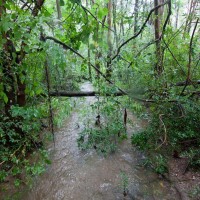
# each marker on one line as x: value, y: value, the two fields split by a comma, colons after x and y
x: 165, y: 130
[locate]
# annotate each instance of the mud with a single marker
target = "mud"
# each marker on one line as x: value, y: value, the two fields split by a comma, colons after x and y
x: 79, y: 175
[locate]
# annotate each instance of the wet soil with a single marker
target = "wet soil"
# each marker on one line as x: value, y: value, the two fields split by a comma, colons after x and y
x: 186, y: 181
x: 85, y: 175
x: 79, y: 175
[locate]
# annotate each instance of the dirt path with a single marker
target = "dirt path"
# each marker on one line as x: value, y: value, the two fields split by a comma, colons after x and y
x: 87, y: 176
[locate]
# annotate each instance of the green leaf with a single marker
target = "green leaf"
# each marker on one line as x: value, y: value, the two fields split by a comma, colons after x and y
x: 17, y: 34
x: 5, y: 98
x: 38, y: 91
x: 26, y: 49
x: 62, y: 3
x: 6, y: 26
x: 7, y: 6
x: 17, y: 182
x: 83, y: 67
x: 76, y: 1
x: 46, y: 13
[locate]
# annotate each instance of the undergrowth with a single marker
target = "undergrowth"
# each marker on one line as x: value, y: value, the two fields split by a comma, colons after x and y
x: 108, y: 129
x: 22, y: 140
x: 173, y: 131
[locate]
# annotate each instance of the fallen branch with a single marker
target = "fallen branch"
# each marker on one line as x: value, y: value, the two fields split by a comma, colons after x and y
x: 84, y: 94
x: 182, y: 83
x: 93, y: 93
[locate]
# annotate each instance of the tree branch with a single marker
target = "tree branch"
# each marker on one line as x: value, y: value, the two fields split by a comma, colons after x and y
x: 190, y: 59
x: 103, y: 24
x: 184, y: 82
x: 167, y: 46
x: 66, y: 47
x: 140, y: 31
x: 83, y: 94
x: 167, y: 19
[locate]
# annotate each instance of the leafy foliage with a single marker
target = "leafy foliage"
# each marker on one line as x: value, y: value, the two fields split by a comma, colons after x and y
x: 14, y: 146
x: 109, y: 130
x: 177, y: 130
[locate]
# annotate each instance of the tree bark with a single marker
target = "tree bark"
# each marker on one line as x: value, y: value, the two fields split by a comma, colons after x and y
x: 89, y: 54
x: 177, y: 7
x: 157, y: 27
x: 83, y: 94
x: 109, y: 40
x: 21, y: 95
x: 114, y: 22
x: 191, y: 14
x: 8, y: 75
x: 58, y: 9
x: 122, y: 21
x: 97, y: 51
x: 136, y: 16
x: 13, y: 87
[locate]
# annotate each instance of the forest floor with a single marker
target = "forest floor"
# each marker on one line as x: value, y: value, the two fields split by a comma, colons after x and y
x: 85, y: 175
x: 186, y: 181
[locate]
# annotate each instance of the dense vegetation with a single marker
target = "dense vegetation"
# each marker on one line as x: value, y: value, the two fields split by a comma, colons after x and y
x: 147, y: 51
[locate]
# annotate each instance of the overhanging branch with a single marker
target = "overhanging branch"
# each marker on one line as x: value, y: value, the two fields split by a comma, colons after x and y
x: 140, y: 31
x: 103, y: 25
x: 66, y: 47
x: 188, y: 80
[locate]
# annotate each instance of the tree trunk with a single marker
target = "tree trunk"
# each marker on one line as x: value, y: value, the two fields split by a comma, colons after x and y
x: 157, y: 27
x: 97, y: 53
x: 109, y: 40
x: 191, y: 13
x: 96, y: 41
x: 8, y: 75
x: 122, y: 21
x: 114, y: 22
x: 13, y: 87
x: 89, y: 54
x: 136, y: 16
x: 8, y: 87
x: 21, y: 95
x: 177, y: 7
x: 58, y: 9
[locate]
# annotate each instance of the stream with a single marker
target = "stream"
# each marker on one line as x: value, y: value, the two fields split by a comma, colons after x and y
x: 85, y: 175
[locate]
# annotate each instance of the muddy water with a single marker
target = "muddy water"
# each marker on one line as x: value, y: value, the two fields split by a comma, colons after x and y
x: 79, y: 175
